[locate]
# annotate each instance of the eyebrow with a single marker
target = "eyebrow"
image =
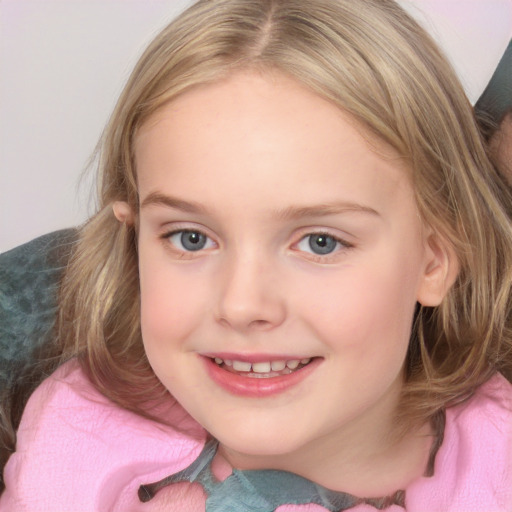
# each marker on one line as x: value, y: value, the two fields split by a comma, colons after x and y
x: 158, y: 199
x: 322, y: 210
x: 289, y: 213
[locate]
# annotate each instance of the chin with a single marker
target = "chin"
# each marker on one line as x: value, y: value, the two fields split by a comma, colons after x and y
x: 258, y: 446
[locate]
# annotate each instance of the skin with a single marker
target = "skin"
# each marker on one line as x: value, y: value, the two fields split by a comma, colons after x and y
x: 265, y: 163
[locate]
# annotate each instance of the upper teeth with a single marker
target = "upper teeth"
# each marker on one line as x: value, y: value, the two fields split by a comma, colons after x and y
x: 264, y: 366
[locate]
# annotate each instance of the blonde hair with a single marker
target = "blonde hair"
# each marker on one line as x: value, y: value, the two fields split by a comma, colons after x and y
x: 369, y: 58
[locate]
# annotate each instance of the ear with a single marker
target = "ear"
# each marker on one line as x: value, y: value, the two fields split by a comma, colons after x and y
x: 123, y: 212
x: 441, y: 270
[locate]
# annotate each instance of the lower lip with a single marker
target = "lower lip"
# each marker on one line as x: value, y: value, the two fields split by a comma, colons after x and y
x: 254, y: 387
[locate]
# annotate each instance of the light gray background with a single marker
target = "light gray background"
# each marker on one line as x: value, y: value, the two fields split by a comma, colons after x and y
x: 63, y: 64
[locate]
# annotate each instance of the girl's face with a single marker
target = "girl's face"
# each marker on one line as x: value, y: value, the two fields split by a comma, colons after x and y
x: 281, y: 258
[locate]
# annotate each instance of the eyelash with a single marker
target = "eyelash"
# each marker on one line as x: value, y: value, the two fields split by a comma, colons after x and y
x: 181, y: 233
x: 339, y: 244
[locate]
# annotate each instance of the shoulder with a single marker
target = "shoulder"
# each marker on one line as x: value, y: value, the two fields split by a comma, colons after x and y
x: 78, y: 451
x: 488, y: 413
x: 473, y: 469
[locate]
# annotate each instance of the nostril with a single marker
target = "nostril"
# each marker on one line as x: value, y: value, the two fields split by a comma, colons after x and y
x: 259, y: 323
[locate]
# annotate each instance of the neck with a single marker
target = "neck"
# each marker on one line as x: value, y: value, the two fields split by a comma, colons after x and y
x: 363, y: 458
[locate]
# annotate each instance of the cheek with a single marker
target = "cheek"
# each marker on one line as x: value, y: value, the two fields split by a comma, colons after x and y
x: 171, y: 300
x: 365, y: 312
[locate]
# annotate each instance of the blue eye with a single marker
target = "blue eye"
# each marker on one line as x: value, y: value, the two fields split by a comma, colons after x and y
x: 319, y: 243
x: 190, y: 241
x: 322, y: 244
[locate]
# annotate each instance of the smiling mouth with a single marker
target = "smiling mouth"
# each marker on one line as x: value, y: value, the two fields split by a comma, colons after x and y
x: 263, y: 369
x: 261, y: 377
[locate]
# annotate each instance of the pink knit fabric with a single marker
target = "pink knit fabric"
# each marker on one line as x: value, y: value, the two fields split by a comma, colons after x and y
x: 78, y: 452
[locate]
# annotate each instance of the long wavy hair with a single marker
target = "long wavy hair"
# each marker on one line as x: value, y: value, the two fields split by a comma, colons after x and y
x: 371, y: 60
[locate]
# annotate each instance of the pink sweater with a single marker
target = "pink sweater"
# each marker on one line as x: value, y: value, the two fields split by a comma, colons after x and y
x: 79, y: 452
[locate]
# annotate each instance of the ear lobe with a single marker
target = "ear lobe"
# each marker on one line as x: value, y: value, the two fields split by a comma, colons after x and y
x: 441, y: 270
x: 123, y: 212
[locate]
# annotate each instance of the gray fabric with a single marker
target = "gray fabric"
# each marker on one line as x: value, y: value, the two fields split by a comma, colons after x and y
x: 496, y: 100
x: 260, y: 490
x: 29, y: 280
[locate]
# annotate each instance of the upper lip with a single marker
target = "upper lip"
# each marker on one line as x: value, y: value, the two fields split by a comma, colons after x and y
x: 255, y: 358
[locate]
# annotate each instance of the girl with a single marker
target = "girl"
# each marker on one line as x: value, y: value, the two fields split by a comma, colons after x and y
x: 295, y: 295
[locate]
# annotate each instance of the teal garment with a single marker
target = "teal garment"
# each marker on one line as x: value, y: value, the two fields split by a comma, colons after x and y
x: 496, y: 100
x: 260, y: 490
x: 29, y: 280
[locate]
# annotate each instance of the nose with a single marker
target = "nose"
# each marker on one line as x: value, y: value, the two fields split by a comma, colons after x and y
x: 250, y: 295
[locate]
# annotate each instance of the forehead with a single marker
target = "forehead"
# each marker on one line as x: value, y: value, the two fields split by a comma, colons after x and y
x: 259, y: 130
